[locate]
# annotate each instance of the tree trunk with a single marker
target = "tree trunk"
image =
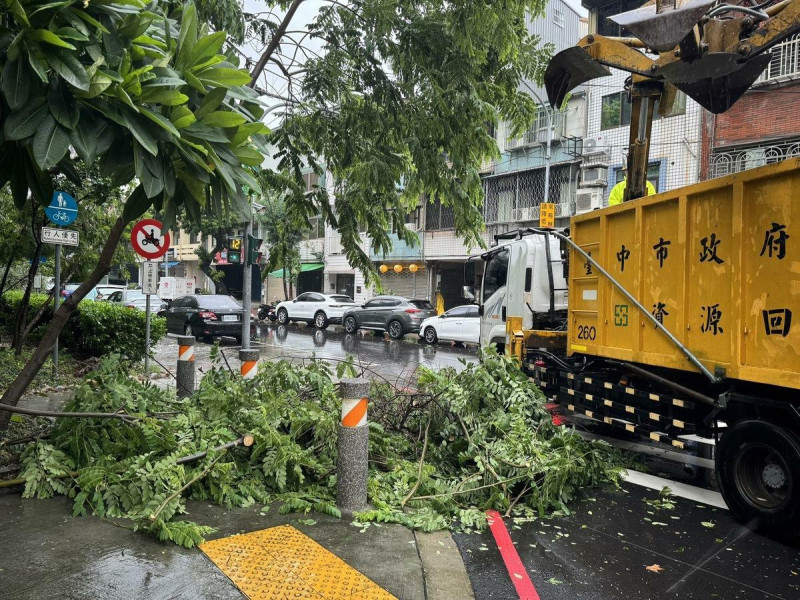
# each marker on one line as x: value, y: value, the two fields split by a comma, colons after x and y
x: 22, y: 311
x: 205, y: 264
x: 12, y: 395
x: 38, y: 316
x: 7, y: 270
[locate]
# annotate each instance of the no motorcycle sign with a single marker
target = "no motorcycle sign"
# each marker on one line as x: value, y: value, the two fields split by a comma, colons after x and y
x: 147, y: 239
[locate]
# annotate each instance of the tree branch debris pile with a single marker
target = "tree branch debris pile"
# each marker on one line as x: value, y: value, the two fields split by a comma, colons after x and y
x: 440, y: 457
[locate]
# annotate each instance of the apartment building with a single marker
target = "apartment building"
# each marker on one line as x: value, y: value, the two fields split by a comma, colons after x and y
x: 537, y: 165
x: 764, y: 125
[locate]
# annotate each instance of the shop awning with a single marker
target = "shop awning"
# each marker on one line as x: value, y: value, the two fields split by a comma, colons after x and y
x: 303, y: 268
x: 170, y: 264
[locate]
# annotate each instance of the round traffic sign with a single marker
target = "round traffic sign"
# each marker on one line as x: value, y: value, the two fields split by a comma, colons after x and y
x: 147, y: 239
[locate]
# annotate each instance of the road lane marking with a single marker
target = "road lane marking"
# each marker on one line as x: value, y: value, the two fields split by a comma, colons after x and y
x: 681, y: 490
x: 516, y: 570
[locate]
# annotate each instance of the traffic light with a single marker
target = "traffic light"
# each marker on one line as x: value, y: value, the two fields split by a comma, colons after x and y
x: 253, y: 245
x: 235, y: 250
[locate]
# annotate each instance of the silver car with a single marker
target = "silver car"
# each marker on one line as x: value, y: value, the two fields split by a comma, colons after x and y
x: 394, y: 314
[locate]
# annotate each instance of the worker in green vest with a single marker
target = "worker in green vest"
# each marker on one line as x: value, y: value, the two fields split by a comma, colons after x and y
x: 617, y: 194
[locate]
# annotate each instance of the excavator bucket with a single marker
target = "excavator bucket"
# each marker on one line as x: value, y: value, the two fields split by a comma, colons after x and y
x: 719, y: 93
x: 567, y: 70
x: 663, y: 30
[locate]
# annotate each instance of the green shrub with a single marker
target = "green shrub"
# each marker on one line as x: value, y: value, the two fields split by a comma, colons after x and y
x: 9, y: 305
x: 100, y: 328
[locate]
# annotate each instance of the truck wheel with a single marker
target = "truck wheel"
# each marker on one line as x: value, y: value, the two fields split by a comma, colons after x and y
x: 283, y: 316
x: 758, y: 470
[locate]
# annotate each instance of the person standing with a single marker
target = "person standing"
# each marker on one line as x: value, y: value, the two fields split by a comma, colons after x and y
x: 617, y: 195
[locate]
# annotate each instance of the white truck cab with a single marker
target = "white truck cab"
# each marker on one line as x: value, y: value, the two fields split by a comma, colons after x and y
x: 523, y: 287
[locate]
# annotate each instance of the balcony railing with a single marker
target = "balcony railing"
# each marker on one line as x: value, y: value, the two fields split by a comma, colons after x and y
x: 785, y: 60
x: 734, y: 160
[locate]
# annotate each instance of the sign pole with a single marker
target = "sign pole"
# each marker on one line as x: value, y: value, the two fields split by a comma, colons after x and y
x: 56, y: 298
x: 246, y: 282
x: 147, y: 337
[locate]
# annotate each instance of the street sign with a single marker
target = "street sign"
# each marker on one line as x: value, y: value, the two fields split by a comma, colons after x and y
x: 150, y: 277
x: 147, y: 239
x: 166, y: 288
x: 63, y: 209
x: 65, y: 237
x: 547, y: 215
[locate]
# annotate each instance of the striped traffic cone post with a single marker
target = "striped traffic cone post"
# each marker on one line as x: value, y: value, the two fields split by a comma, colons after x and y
x: 353, y: 446
x: 185, y: 373
x: 249, y: 360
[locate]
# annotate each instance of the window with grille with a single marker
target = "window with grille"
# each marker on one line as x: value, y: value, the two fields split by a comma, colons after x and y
x: 558, y: 17
x: 785, y: 61
x: 438, y: 216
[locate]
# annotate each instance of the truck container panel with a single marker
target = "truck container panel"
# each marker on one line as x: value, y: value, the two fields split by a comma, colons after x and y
x: 718, y: 263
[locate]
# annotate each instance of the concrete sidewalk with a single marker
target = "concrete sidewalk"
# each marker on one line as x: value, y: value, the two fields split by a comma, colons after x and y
x: 50, y: 554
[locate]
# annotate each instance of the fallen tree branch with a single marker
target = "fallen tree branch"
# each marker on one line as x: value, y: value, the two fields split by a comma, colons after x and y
x: 482, y: 487
x: 56, y: 414
x: 421, y: 466
x: 246, y: 440
x: 177, y: 493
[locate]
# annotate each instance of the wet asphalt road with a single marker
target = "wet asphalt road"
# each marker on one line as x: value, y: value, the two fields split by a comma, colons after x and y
x: 603, y: 550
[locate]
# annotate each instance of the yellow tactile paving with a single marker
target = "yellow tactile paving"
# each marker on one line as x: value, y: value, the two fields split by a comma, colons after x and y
x: 281, y: 563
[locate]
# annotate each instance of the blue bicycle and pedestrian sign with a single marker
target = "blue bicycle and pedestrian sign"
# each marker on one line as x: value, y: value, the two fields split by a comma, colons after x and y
x: 63, y: 209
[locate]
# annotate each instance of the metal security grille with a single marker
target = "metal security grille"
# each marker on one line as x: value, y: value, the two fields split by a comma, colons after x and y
x: 516, y: 197
x: 734, y: 160
x: 410, y: 285
x: 438, y: 216
x: 785, y: 60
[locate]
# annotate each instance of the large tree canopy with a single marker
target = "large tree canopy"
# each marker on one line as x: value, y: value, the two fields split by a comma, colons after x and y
x: 397, y: 101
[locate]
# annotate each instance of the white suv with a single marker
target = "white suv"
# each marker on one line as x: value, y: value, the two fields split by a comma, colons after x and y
x: 315, y: 309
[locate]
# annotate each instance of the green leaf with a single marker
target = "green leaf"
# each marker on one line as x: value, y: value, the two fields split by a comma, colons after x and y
x: 84, y: 140
x: 188, y: 35
x: 210, y: 102
x: 90, y: 20
x: 707, y: 524
x: 166, y: 97
x: 62, y: 105
x: 50, y: 143
x: 160, y: 120
x: 99, y: 83
x: 16, y: 82
x: 140, y: 131
x: 19, y: 13
x: 182, y: 117
x: 136, y: 205
x: 223, y: 118
x: 23, y: 123
x: 224, y: 76
x: 48, y: 37
x: 70, y: 69
x: 207, y: 47
x: 249, y: 156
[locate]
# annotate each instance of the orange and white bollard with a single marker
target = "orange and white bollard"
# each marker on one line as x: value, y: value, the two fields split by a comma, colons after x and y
x: 249, y: 360
x: 353, y: 446
x: 184, y: 376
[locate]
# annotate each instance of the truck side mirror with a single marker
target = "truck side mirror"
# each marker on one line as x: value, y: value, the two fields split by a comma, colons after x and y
x: 466, y: 293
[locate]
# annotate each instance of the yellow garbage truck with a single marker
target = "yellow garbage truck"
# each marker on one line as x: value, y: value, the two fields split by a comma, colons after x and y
x: 671, y: 316
x: 674, y: 315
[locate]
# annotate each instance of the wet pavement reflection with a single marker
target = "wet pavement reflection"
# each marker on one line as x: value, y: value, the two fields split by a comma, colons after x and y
x: 394, y: 360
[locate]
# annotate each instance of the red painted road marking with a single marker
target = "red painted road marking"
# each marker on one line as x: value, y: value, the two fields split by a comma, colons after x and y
x: 519, y: 575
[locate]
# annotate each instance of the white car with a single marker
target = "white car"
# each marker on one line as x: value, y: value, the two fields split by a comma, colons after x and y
x: 136, y: 299
x: 459, y: 324
x: 315, y: 309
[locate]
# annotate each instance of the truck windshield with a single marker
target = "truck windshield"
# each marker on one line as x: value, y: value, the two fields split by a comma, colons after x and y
x: 496, y: 273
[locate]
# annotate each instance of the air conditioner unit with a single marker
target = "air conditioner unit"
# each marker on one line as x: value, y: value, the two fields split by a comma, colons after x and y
x: 588, y: 199
x: 590, y: 145
x: 594, y: 176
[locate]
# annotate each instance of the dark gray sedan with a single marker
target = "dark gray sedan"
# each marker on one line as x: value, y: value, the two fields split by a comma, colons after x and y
x: 205, y: 316
x: 394, y: 314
